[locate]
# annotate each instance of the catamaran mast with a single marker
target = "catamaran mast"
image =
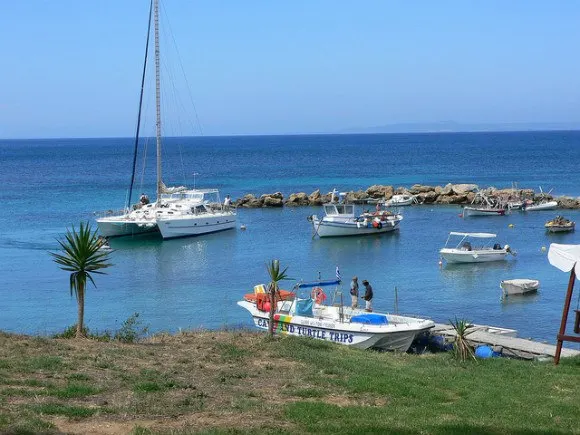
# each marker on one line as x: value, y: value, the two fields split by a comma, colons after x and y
x: 157, y: 98
x: 136, y: 145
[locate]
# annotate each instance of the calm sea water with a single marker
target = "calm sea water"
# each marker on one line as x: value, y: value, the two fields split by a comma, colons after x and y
x: 47, y: 185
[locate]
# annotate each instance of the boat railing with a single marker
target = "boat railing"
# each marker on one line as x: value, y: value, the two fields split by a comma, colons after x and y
x: 111, y: 213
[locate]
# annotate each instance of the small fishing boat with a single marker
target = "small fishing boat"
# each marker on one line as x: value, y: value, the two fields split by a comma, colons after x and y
x: 487, y: 207
x: 307, y: 315
x: 519, y: 286
x: 340, y: 220
x: 474, y: 248
x: 400, y: 200
x: 560, y: 225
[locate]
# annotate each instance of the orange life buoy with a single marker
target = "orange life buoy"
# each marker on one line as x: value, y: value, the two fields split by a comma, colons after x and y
x: 318, y: 295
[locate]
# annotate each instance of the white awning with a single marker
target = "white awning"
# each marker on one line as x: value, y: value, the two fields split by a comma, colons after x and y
x: 564, y: 257
x: 477, y: 235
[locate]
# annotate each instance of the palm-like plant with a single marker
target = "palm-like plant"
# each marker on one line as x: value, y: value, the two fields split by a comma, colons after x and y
x: 461, y: 347
x: 276, y: 276
x: 82, y: 258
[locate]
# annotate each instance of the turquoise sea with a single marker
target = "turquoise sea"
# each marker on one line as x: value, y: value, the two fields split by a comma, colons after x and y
x: 48, y: 185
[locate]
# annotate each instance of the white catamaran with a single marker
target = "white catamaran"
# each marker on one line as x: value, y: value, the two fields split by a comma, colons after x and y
x: 177, y: 211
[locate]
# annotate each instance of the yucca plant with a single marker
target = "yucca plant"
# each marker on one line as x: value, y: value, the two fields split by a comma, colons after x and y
x: 273, y: 290
x: 461, y: 348
x: 81, y: 256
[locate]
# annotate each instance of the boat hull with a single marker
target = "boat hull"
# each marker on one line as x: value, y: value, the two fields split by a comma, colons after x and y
x: 397, y: 337
x: 519, y: 286
x: 560, y: 228
x: 474, y: 211
x: 324, y: 228
x: 195, y: 225
x: 477, y: 256
x: 119, y: 227
x: 550, y: 205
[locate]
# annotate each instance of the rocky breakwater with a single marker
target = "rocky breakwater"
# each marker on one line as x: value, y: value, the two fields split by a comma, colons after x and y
x: 449, y: 194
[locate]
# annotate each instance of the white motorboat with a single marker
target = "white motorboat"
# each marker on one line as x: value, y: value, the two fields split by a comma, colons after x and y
x: 560, y: 225
x: 207, y: 215
x: 340, y: 220
x: 539, y: 206
x: 400, y: 200
x: 519, y: 286
x: 178, y: 208
x: 305, y: 317
x: 472, y: 248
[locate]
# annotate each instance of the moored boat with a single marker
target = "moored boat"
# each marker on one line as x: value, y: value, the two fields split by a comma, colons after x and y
x: 400, y: 200
x: 519, y: 286
x: 560, y: 225
x: 308, y: 316
x: 474, y: 248
x: 340, y: 220
x: 539, y: 206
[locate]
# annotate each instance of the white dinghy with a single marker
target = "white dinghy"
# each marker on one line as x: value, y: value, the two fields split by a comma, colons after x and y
x: 474, y: 248
x: 519, y: 286
x: 308, y: 316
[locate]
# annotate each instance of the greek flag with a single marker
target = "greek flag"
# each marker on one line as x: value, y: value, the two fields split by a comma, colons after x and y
x: 338, y: 274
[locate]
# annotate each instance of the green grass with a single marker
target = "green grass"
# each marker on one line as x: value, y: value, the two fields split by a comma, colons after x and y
x: 232, y: 382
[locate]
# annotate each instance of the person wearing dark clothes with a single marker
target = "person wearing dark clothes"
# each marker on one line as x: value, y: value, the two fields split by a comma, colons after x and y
x: 368, y: 297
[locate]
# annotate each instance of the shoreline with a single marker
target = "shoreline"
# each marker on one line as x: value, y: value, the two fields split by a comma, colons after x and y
x: 450, y: 194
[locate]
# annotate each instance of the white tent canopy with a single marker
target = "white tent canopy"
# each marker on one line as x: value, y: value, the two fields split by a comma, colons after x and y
x: 564, y: 257
x: 477, y: 235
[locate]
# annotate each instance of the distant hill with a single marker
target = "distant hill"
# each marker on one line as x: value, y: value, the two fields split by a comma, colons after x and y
x: 452, y: 126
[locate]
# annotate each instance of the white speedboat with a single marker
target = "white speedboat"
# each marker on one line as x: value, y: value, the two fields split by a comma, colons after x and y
x: 519, y: 286
x: 539, y: 206
x: 560, y: 225
x: 400, y: 200
x: 176, y: 207
x: 207, y: 215
x: 340, y: 220
x: 473, y: 248
x: 304, y: 317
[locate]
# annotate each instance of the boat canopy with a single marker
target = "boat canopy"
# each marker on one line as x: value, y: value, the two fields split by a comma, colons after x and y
x: 476, y: 235
x: 317, y: 283
x: 565, y: 257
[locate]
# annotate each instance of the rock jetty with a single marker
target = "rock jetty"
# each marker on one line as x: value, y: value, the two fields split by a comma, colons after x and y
x: 445, y: 195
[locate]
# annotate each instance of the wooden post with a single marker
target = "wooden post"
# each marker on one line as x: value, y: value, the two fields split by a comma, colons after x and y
x: 562, y: 332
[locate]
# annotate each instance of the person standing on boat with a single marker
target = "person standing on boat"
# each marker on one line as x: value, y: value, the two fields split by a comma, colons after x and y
x: 227, y: 203
x: 354, y: 291
x: 368, y: 297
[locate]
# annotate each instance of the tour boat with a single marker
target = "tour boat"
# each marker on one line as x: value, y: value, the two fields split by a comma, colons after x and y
x: 472, y: 248
x: 519, y: 286
x: 340, y: 220
x: 307, y: 316
x: 560, y: 225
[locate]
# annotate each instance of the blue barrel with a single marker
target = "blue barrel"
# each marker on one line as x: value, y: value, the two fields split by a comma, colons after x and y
x: 484, y: 351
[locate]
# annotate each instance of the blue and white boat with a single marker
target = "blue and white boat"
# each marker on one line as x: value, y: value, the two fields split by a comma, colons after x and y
x: 309, y: 316
x: 340, y: 220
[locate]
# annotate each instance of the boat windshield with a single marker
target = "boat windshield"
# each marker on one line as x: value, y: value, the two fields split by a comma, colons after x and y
x: 336, y: 209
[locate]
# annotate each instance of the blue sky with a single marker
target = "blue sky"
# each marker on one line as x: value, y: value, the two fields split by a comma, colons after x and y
x: 72, y: 68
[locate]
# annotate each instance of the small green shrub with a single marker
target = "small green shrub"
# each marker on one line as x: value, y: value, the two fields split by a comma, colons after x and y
x: 131, y: 330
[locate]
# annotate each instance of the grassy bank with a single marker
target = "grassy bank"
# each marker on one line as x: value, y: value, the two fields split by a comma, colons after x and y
x: 226, y: 381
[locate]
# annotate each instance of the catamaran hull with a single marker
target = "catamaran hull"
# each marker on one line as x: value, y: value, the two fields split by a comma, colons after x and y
x: 189, y: 227
x: 119, y: 228
x: 460, y: 256
x: 339, y: 229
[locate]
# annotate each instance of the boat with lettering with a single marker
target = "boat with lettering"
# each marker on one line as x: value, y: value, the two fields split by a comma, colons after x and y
x: 305, y: 314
